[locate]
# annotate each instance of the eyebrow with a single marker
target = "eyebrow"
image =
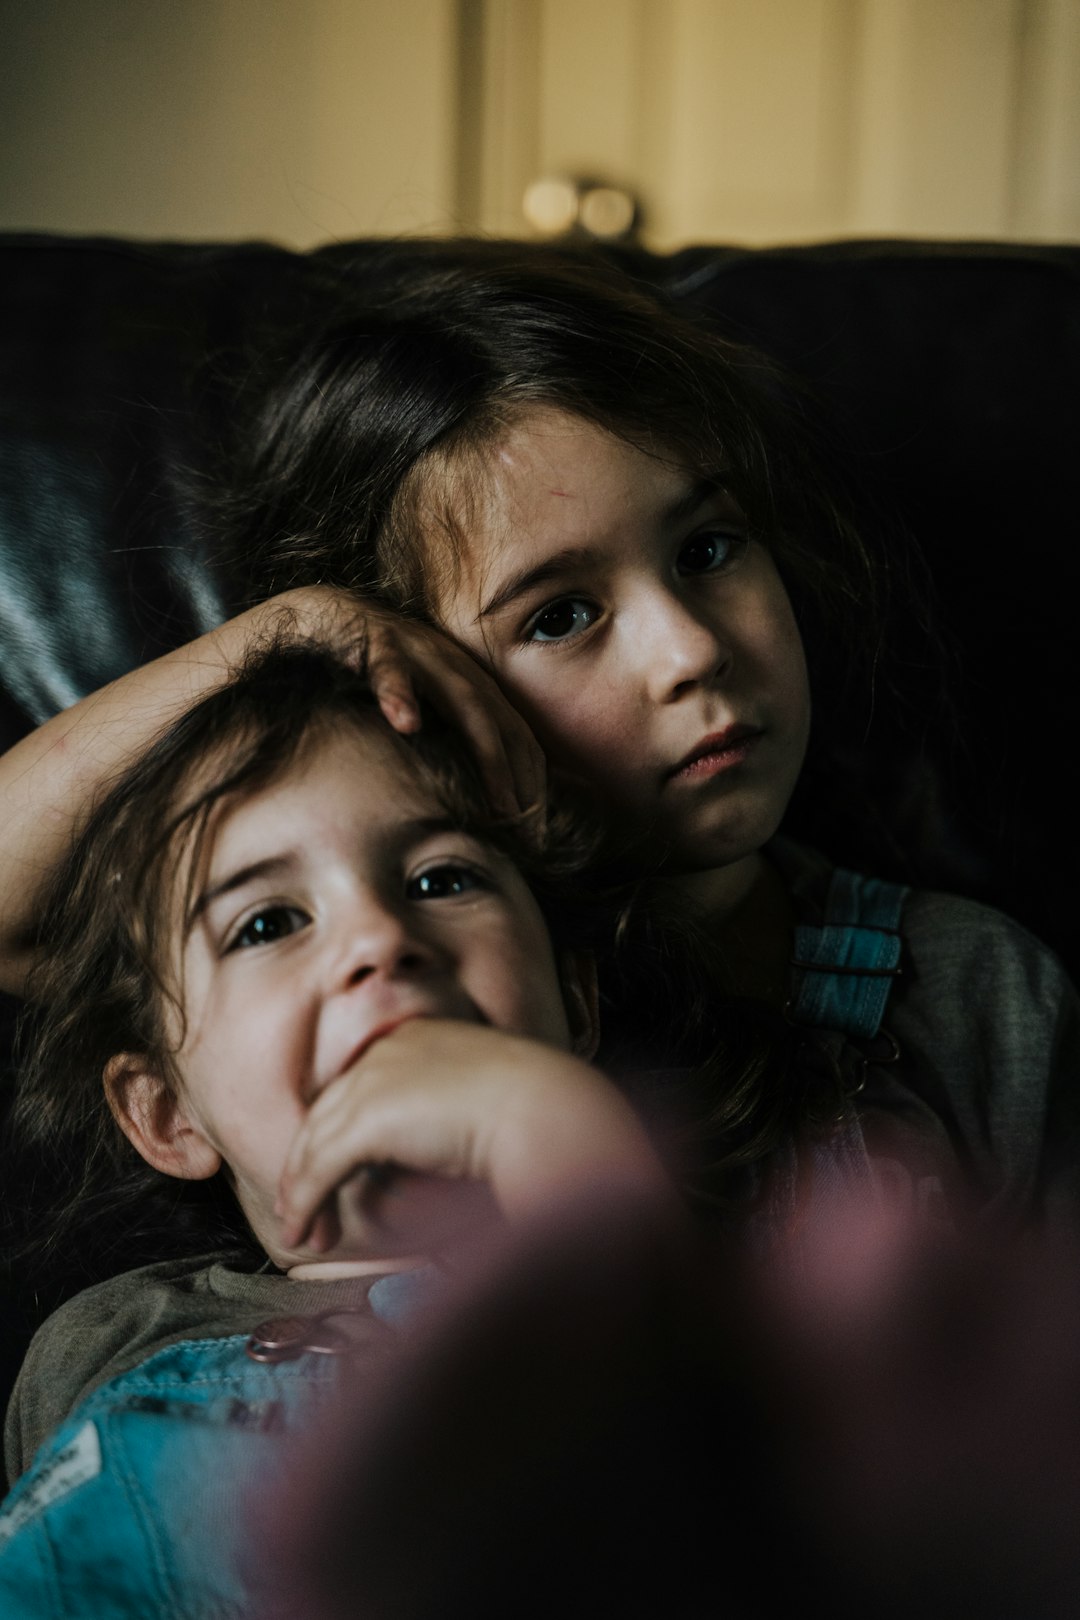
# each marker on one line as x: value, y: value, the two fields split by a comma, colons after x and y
x: 272, y: 866
x: 419, y: 827
x: 526, y: 579
x: 562, y: 562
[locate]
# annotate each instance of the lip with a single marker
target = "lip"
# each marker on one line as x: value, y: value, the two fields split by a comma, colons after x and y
x: 377, y: 1032
x: 719, y: 751
x: 386, y: 1026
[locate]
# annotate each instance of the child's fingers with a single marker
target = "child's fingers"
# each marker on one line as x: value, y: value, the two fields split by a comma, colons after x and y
x: 304, y: 1194
x: 501, y: 739
x: 404, y: 661
x: 510, y: 759
x: 324, y: 1232
x: 392, y: 686
x: 334, y: 1143
x: 312, y: 1217
x: 385, y: 1112
x: 524, y: 758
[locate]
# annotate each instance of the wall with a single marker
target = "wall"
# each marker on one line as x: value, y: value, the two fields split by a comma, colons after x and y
x: 297, y: 120
x: 737, y: 120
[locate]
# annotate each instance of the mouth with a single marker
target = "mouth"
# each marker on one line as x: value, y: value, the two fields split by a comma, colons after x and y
x: 718, y: 752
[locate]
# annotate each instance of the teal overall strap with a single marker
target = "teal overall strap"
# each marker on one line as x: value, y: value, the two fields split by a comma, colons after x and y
x: 842, y: 972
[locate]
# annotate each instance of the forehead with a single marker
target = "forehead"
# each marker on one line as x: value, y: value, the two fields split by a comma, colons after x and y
x: 344, y: 777
x: 549, y: 481
x: 549, y: 463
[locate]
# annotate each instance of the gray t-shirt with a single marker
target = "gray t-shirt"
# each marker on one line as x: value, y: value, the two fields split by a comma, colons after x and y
x: 116, y: 1325
x: 986, y: 1025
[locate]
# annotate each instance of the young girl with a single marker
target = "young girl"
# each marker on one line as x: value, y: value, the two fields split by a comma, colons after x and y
x: 536, y: 494
x: 288, y: 951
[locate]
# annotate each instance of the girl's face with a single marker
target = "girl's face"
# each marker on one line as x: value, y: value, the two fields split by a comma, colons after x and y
x: 644, y: 634
x: 332, y: 905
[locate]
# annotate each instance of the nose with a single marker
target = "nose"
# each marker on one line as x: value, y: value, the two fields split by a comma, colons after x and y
x: 380, y: 965
x: 375, y: 938
x: 679, y: 646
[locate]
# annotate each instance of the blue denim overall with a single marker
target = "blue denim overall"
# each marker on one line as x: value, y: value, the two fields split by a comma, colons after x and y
x: 197, y: 1426
x: 842, y: 973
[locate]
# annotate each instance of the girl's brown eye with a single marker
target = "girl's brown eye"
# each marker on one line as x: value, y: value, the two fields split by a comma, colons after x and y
x: 561, y: 620
x: 711, y: 550
x: 274, y: 923
x: 444, y: 882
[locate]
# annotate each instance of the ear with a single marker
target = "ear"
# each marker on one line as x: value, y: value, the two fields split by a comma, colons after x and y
x: 150, y: 1116
x: 577, y: 975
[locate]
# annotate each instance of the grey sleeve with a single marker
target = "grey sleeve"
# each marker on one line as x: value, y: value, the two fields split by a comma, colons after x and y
x: 30, y: 1412
x: 93, y: 1336
x: 989, y: 1024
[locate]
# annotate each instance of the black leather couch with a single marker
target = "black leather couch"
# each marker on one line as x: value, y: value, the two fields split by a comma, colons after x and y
x: 952, y: 372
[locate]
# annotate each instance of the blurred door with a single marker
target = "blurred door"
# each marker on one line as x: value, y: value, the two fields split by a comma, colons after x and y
x: 769, y: 120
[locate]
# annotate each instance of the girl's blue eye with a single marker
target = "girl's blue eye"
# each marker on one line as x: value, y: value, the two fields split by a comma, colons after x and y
x: 710, y: 550
x: 273, y: 923
x: 443, y: 882
x: 562, y: 620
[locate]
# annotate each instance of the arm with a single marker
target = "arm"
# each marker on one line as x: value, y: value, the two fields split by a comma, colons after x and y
x: 468, y: 1104
x: 50, y: 780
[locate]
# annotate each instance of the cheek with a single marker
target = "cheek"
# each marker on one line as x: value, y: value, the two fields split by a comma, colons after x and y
x: 794, y: 676
x: 771, y: 634
x: 580, y: 720
x: 252, y: 1123
x: 516, y: 985
x: 241, y: 1064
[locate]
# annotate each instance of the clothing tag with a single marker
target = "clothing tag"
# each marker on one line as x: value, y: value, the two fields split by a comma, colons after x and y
x: 73, y: 1465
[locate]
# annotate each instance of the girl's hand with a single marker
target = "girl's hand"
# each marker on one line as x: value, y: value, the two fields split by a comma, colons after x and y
x: 467, y: 1104
x: 406, y: 661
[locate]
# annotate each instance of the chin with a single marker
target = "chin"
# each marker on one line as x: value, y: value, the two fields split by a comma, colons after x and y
x: 703, y: 849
